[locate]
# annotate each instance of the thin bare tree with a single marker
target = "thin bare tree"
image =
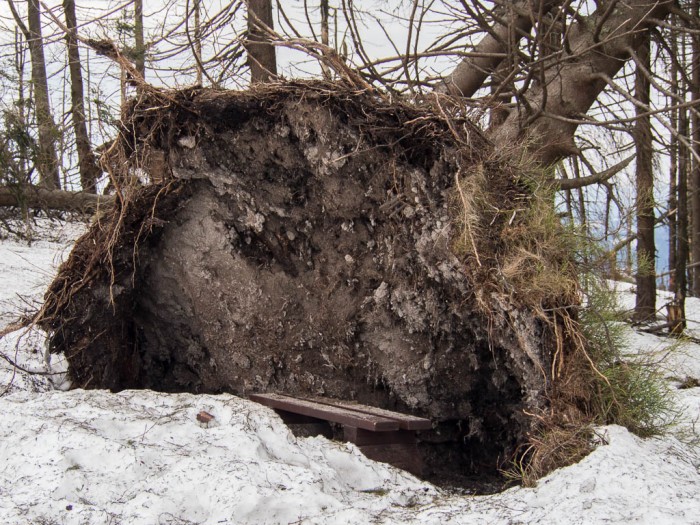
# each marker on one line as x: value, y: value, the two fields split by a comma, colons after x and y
x: 87, y: 162
x: 645, y: 305
x: 46, y: 158
x: 261, y: 53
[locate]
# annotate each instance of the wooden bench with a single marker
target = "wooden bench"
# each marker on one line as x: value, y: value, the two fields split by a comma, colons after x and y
x: 381, y: 435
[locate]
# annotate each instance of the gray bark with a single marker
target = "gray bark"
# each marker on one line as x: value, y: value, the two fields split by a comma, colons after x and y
x: 683, y: 226
x: 261, y: 54
x: 47, y: 160
x: 645, y: 305
x: 89, y: 171
x: 695, y: 166
x: 599, y: 45
x: 54, y: 199
x: 513, y: 21
x: 139, y: 46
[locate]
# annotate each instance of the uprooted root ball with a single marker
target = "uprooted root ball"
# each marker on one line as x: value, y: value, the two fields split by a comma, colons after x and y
x: 300, y: 238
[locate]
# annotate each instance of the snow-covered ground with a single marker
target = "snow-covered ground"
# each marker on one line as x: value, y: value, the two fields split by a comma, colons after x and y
x: 139, y: 457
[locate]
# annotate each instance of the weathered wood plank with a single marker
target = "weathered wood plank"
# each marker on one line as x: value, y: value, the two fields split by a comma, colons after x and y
x: 406, y: 421
x: 401, y: 455
x: 360, y: 436
x: 327, y: 412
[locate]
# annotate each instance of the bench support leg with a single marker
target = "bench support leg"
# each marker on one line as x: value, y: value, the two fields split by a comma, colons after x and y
x: 398, y: 448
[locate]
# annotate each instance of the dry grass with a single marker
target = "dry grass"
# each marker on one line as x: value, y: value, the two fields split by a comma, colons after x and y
x: 467, y: 206
x: 531, y: 258
x: 530, y: 253
x: 591, y: 382
x: 599, y: 385
x: 550, y: 447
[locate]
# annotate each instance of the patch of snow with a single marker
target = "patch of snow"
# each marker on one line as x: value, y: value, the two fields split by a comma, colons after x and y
x: 27, y: 269
x: 624, y: 480
x: 26, y: 366
x: 140, y: 457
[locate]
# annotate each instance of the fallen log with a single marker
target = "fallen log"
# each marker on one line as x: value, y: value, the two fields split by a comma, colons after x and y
x: 33, y: 197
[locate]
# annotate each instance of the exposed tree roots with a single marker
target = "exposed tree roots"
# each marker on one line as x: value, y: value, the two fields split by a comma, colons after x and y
x: 301, y: 238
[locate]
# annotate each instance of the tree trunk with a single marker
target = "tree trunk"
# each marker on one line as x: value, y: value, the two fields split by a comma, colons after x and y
x: 673, y: 203
x: 261, y: 54
x: 197, y: 8
x: 47, y: 160
x: 512, y: 23
x: 23, y: 160
x: 695, y: 165
x: 324, y: 36
x: 139, y: 46
x: 645, y: 306
x: 673, y: 208
x: 35, y: 197
x: 683, y: 245
x: 89, y: 172
x: 598, y: 47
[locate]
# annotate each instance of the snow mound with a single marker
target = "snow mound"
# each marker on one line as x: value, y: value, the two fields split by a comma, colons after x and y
x: 142, y: 457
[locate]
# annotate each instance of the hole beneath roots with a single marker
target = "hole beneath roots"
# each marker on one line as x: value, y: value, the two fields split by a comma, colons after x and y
x: 460, y: 464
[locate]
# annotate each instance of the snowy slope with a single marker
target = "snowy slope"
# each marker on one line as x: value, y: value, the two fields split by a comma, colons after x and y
x: 26, y: 269
x: 140, y: 457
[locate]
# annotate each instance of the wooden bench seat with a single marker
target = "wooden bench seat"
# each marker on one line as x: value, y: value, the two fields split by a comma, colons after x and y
x: 380, y: 434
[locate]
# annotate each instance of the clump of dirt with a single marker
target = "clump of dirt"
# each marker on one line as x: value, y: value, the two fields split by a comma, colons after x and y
x: 299, y: 239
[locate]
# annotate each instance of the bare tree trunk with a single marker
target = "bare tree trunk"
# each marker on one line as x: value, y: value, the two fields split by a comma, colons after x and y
x: 673, y: 200
x: 22, y: 161
x: 683, y: 245
x: 261, y: 54
x: 139, y: 46
x: 598, y: 47
x: 645, y: 306
x: 197, y: 7
x: 629, y: 263
x: 47, y: 160
x: 695, y: 166
x: 89, y: 172
x: 673, y: 193
x: 324, y: 35
x: 512, y: 23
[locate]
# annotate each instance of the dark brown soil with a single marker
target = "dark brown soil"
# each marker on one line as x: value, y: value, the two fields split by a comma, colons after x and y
x: 301, y: 243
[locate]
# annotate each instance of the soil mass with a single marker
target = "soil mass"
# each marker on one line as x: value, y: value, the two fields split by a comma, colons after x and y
x: 300, y: 240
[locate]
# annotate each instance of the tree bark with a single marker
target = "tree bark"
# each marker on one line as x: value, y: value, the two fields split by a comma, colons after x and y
x: 513, y: 22
x: 595, y: 178
x: 139, y: 46
x: 598, y: 47
x: 681, y: 274
x: 43, y: 198
x: 324, y: 36
x: 645, y: 306
x: 261, y: 54
x: 197, y: 9
x: 87, y: 163
x: 695, y: 165
x: 673, y: 201
x: 673, y: 208
x: 47, y: 160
